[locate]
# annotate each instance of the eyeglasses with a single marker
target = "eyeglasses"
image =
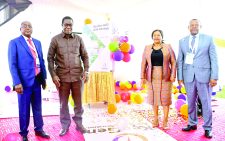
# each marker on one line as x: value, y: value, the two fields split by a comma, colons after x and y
x: 26, y: 26
x: 67, y: 25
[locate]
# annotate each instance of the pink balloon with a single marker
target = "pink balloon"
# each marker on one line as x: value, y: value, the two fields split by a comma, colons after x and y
x: 111, y: 55
x: 125, y: 39
x: 126, y: 57
x: 124, y: 97
x: 179, y: 103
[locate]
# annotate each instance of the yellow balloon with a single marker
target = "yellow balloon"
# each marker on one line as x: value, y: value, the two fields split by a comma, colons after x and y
x: 175, y: 90
x: 129, y: 86
x: 87, y: 21
x: 183, y: 90
x: 138, y: 99
x: 71, y: 101
x: 132, y: 96
x: 121, y: 83
x: 184, y: 110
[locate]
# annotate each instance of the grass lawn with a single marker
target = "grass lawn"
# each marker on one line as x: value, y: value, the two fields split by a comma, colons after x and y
x: 221, y: 94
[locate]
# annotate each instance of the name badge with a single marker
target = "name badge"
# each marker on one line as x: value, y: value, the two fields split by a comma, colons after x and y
x: 189, y: 58
x: 37, y: 63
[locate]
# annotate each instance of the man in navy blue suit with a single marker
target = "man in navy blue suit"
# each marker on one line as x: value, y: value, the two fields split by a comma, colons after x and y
x: 28, y: 73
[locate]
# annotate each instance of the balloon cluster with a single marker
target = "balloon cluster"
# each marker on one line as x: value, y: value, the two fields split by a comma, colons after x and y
x: 181, y: 100
x: 121, y: 49
x: 130, y: 97
x: 181, y: 104
x: 127, y: 85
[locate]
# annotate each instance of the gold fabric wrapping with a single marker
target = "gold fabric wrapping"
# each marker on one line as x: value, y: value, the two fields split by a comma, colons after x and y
x: 99, y: 88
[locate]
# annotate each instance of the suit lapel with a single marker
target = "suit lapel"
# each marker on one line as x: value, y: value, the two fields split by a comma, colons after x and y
x: 200, y: 40
x: 24, y: 44
x: 148, y: 54
x: 36, y: 46
x: 186, y: 44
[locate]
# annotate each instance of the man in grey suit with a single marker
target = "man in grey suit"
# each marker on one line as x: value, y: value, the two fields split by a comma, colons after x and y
x: 198, y: 72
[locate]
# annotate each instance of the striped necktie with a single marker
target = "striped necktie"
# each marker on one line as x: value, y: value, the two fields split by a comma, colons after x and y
x: 193, y: 43
x: 34, y: 54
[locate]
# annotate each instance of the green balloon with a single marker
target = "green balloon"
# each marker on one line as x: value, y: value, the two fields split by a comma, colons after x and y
x: 113, y: 46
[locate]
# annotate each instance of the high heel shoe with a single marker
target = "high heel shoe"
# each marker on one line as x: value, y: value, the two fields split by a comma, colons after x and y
x: 155, y: 123
x: 165, y: 125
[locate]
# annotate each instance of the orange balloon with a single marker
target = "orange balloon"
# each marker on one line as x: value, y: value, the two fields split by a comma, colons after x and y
x: 112, y: 108
x: 129, y: 102
x: 135, y: 86
x: 118, y: 98
x: 125, y: 47
x: 122, y: 87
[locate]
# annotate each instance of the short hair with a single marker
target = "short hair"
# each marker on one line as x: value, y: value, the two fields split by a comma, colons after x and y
x: 195, y: 20
x: 160, y: 31
x: 66, y: 17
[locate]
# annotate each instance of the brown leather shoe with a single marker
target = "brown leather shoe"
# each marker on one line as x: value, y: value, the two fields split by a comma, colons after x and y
x: 42, y: 134
x: 189, y: 128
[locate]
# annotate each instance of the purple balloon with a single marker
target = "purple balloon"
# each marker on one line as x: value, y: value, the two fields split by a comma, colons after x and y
x: 181, y: 96
x: 118, y: 56
x: 131, y: 49
x: 133, y: 82
x: 125, y: 39
x: 179, y: 87
x: 213, y: 93
x: 7, y: 88
x: 118, y: 83
x: 121, y: 39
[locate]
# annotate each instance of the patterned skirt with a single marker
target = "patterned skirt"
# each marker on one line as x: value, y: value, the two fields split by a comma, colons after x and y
x: 159, y: 90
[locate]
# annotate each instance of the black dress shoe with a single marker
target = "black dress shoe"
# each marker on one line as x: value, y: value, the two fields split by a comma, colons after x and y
x: 81, y: 128
x: 208, y: 134
x: 63, y: 132
x: 24, y: 138
x: 42, y: 134
x: 189, y: 128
